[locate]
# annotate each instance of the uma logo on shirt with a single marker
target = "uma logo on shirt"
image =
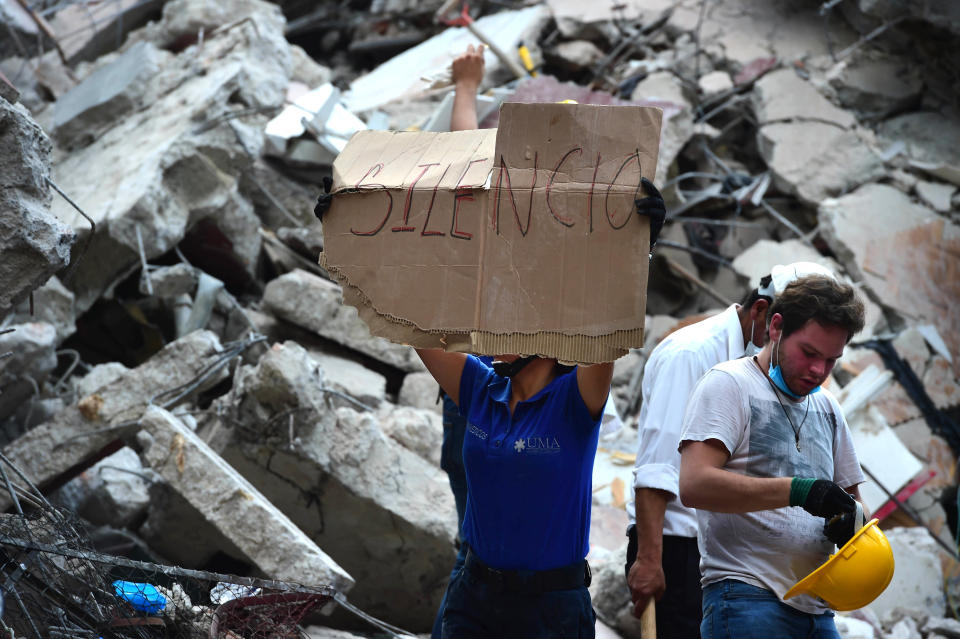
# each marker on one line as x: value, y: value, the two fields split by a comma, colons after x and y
x: 537, y: 445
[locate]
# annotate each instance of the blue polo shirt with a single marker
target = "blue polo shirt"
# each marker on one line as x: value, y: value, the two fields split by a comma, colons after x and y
x: 529, y: 475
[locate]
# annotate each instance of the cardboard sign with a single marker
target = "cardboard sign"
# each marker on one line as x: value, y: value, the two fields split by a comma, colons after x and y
x: 523, y: 239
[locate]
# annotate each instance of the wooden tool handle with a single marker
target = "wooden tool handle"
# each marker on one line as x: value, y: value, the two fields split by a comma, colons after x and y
x: 648, y: 621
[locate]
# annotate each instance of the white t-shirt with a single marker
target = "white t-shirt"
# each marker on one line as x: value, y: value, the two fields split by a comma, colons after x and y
x: 735, y: 403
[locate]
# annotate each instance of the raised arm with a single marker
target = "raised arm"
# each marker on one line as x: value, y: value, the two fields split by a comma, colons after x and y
x: 594, y: 384
x: 467, y: 76
x: 446, y: 368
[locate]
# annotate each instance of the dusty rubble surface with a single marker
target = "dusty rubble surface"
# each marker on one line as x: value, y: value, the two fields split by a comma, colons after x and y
x: 183, y: 375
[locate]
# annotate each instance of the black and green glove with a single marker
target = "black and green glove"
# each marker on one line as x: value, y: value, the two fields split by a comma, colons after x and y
x: 823, y: 498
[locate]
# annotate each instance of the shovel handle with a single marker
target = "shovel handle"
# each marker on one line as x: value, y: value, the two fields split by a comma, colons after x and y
x: 648, y: 622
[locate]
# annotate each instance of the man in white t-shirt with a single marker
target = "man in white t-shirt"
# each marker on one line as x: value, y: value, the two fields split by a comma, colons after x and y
x: 662, y: 557
x: 767, y: 460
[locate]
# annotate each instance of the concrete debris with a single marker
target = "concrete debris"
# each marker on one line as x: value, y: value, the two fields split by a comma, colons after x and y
x: 77, y: 435
x: 112, y: 492
x: 943, y: 626
x: 314, y: 303
x: 381, y: 511
x: 420, y: 390
x: 240, y: 513
x: 33, y: 244
x: 197, y: 144
x: 916, y: 590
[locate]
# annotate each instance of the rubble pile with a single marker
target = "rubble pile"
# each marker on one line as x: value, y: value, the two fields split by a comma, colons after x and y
x: 177, y: 368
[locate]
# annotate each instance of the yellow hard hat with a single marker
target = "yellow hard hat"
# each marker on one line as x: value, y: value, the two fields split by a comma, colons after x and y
x: 855, y: 575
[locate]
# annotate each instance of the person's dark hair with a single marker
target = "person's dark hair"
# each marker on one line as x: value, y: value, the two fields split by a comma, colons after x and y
x: 754, y: 294
x: 821, y: 299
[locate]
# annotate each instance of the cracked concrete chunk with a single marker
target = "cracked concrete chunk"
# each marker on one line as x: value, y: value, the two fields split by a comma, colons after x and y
x: 815, y: 160
x: 902, y: 251
x: 353, y: 378
x: 113, y: 492
x: 420, y: 390
x: 53, y: 303
x: 943, y: 626
x: 783, y: 95
x: 936, y: 195
x: 381, y: 511
x: 314, y: 303
x: 106, y: 95
x: 239, y: 511
x: 575, y: 54
x: 917, y: 585
x: 928, y: 136
x: 81, y: 431
x: 876, y: 88
x: 714, y: 83
x: 416, y: 429
x: 34, y: 244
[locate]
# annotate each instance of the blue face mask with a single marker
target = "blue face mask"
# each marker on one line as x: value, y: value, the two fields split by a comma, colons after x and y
x: 776, y: 376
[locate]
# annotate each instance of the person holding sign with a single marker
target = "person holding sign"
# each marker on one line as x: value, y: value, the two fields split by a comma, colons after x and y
x: 767, y: 460
x: 528, y: 454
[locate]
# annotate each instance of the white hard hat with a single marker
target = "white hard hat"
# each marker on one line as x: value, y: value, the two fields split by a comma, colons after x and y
x: 782, y: 274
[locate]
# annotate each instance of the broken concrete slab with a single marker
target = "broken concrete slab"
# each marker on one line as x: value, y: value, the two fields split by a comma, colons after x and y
x: 941, y: 384
x: 80, y: 433
x: 715, y: 83
x: 355, y: 379
x: 170, y: 281
x: 592, y: 20
x: 188, y: 155
x: 98, y: 377
x: 814, y: 160
x: 416, y: 429
x: 267, y: 537
x: 33, y: 243
x: 782, y: 95
x: 943, y: 626
x: 381, y: 511
x: 22, y: 374
x: 314, y: 303
x: 876, y: 88
x: 936, y: 195
x: 756, y: 261
x: 113, y: 492
x: 917, y: 584
x: 902, y: 252
x: 575, y: 55
x: 53, y: 303
x: 420, y: 390
x: 106, y: 95
x: 86, y: 31
x: 927, y: 135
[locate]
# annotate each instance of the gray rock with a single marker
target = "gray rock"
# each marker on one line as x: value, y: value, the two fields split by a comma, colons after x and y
x: 113, y: 492
x: 904, y: 629
x: 943, y: 626
x: 420, y: 390
x: 783, y: 95
x: 188, y: 162
x: 77, y: 434
x: 108, y: 94
x: 170, y: 281
x: 936, y: 195
x: 53, y: 303
x: 928, y: 136
x: 235, y: 507
x: 418, y: 430
x: 576, y: 54
x: 304, y: 239
x: 382, y: 512
x: 353, y: 378
x: 33, y: 356
x: 870, y: 230
x: 814, y: 159
x: 876, y: 88
x: 917, y: 585
x: 314, y: 303
x: 33, y: 243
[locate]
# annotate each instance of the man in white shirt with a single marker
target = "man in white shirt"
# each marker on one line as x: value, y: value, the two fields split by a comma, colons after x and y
x: 768, y: 461
x: 662, y: 556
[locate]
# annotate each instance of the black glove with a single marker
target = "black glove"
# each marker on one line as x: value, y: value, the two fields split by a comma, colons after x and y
x: 653, y: 207
x: 822, y: 498
x: 325, y: 199
x: 841, y: 528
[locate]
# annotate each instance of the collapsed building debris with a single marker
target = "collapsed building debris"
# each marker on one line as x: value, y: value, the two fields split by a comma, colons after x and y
x: 251, y: 418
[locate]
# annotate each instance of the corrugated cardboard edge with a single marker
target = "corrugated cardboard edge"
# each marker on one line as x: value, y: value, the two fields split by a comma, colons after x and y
x: 572, y: 349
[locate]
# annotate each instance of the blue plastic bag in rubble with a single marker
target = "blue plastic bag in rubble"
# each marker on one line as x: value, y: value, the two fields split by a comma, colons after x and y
x: 142, y: 597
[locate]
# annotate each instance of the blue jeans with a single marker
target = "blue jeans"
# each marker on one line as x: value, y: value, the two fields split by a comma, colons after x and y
x: 734, y: 609
x: 451, y: 460
x: 476, y: 610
